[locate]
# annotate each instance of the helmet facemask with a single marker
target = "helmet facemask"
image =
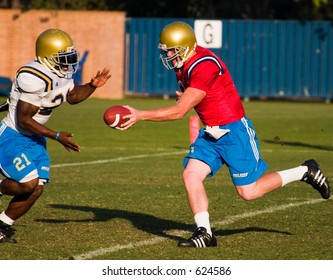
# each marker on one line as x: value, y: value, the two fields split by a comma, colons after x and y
x: 176, y: 60
x: 64, y: 64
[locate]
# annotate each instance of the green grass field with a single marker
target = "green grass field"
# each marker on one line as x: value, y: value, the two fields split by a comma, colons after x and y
x: 122, y: 196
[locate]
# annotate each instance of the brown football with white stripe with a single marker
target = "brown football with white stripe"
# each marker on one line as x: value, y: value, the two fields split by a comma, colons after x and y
x: 113, y: 116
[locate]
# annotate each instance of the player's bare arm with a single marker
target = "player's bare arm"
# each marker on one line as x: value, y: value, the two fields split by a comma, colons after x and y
x: 25, y: 113
x: 186, y: 102
x: 82, y: 92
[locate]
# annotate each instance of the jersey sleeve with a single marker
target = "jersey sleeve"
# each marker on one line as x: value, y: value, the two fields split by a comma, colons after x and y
x: 31, y: 88
x: 204, y: 75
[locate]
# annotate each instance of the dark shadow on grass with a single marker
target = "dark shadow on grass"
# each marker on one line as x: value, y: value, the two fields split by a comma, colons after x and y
x: 145, y: 222
x: 249, y: 229
x: 185, y: 148
x: 298, y: 144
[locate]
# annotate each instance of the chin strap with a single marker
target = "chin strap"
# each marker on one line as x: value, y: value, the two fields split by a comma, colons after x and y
x: 48, y: 65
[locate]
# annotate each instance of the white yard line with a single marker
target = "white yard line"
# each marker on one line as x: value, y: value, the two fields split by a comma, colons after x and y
x: 227, y: 221
x: 117, y: 159
x: 232, y: 219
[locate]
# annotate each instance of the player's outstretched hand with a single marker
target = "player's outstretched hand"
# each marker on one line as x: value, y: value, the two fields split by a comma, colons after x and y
x: 65, y: 139
x: 101, y: 77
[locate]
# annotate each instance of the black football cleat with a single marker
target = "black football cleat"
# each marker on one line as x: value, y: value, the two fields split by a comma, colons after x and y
x: 200, y: 238
x: 6, y: 233
x: 316, y: 178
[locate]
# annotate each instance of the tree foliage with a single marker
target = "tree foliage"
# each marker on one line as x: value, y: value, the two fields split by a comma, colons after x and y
x: 227, y: 9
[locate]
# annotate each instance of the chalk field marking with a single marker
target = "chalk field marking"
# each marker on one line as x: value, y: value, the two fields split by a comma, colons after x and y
x: 269, y: 210
x: 227, y: 221
x: 116, y: 159
x: 103, y: 251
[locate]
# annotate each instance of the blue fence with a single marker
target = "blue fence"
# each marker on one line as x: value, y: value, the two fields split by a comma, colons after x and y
x: 266, y: 58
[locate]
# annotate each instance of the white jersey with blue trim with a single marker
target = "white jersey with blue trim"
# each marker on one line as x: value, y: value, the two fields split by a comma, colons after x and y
x: 37, y: 85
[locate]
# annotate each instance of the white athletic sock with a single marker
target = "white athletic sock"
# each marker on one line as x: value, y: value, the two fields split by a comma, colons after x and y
x: 293, y: 174
x: 202, y: 220
x: 6, y: 219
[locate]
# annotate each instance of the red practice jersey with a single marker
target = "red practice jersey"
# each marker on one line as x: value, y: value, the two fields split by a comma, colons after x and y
x: 205, y: 71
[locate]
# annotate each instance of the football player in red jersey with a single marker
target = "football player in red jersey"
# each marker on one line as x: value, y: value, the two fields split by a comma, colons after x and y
x: 228, y: 137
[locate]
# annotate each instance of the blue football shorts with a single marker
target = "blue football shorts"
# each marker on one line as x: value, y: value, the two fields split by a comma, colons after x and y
x: 238, y: 150
x: 22, y: 155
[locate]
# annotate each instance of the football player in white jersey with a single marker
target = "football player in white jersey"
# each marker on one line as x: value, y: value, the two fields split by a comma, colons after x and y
x: 38, y: 87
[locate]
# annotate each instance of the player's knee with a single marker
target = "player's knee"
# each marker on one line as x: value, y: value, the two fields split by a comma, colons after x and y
x: 247, y: 197
x: 188, y: 176
x: 39, y: 190
x: 29, y: 186
x: 247, y: 193
x: 185, y: 175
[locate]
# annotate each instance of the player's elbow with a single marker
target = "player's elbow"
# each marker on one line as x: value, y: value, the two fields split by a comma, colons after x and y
x: 23, y: 122
x: 180, y: 115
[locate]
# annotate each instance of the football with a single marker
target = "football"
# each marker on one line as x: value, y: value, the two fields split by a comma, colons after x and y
x: 113, y: 116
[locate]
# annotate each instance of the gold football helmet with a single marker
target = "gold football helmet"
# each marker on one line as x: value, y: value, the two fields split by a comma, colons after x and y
x: 178, y: 37
x: 55, y: 50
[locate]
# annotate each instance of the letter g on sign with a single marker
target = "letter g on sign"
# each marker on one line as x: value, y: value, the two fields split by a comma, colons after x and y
x: 208, y: 33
